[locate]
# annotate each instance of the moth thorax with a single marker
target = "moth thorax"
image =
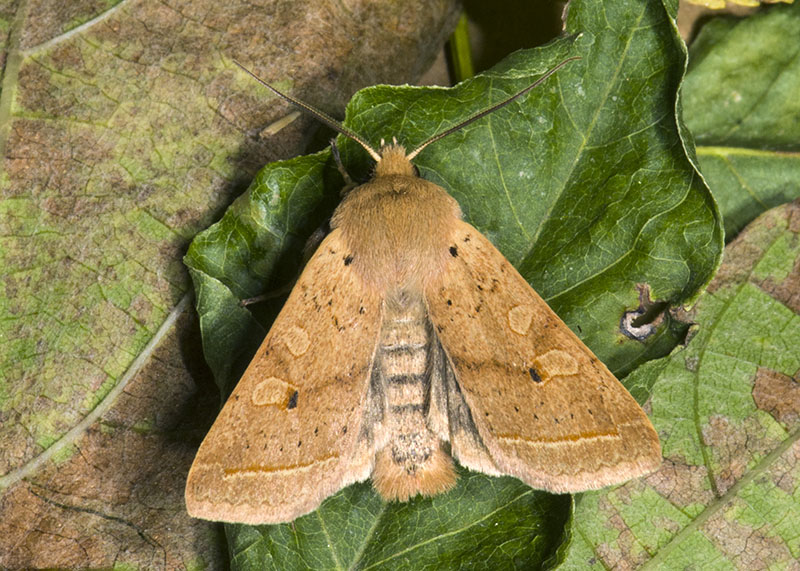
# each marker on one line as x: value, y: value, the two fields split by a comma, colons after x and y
x: 412, y: 461
x: 394, y: 161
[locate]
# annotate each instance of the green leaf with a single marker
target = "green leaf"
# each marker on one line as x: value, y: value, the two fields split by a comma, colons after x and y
x: 726, y: 408
x: 585, y: 185
x: 741, y: 103
x: 256, y: 247
x: 508, y: 526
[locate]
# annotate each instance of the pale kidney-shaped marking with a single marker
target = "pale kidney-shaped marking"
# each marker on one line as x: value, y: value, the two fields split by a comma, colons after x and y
x: 271, y: 391
x: 556, y: 363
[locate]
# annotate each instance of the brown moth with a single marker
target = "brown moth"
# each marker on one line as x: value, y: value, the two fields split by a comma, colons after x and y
x: 409, y: 340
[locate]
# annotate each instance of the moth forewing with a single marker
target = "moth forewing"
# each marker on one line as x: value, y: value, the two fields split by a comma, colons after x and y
x: 288, y: 436
x: 545, y: 409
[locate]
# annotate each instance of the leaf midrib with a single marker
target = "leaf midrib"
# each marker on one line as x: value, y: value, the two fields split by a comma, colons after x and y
x: 450, y: 533
x: 721, y: 501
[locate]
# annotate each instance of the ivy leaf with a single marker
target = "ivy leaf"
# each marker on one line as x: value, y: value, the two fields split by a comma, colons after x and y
x: 508, y: 526
x: 741, y: 104
x: 726, y: 408
x: 586, y: 185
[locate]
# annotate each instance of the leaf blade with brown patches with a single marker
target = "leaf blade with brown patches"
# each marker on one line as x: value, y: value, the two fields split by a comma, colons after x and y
x: 728, y: 490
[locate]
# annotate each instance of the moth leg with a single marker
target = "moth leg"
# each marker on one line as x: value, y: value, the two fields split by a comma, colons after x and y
x: 349, y: 183
x: 282, y: 290
x: 315, y: 240
x: 310, y: 247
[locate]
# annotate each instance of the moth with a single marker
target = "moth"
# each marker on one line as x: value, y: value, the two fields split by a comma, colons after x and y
x: 408, y: 341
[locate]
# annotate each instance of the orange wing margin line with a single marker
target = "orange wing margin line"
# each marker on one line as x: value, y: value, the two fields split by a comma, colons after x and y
x: 570, y: 438
x: 265, y: 469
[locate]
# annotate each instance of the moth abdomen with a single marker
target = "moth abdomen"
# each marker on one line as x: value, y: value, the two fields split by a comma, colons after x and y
x: 412, y: 460
x: 404, y: 350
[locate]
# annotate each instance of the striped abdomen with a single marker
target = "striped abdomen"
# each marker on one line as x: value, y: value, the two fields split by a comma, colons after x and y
x: 412, y: 461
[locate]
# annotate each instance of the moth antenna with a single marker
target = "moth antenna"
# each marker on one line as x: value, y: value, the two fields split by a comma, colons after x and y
x: 491, y: 109
x: 321, y: 116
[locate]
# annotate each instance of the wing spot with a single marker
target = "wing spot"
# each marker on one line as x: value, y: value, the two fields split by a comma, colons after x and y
x: 449, y: 302
x: 556, y: 363
x: 292, y: 401
x: 519, y: 318
x: 348, y: 260
x: 454, y: 251
x: 297, y: 340
x: 534, y: 375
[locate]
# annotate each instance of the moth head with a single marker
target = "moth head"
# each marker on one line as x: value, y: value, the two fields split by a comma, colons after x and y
x: 392, y: 159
